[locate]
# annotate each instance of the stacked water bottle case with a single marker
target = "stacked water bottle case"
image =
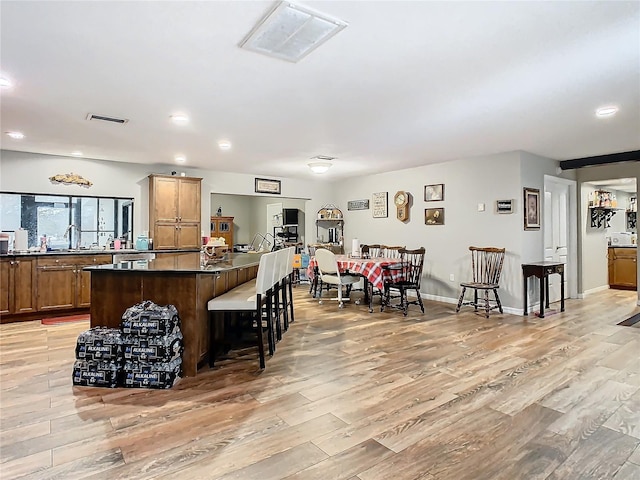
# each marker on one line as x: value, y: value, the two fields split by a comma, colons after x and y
x: 152, y: 345
x: 145, y: 352
x: 98, y: 358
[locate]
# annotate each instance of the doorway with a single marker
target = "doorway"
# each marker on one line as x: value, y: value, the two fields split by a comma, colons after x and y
x: 561, y: 233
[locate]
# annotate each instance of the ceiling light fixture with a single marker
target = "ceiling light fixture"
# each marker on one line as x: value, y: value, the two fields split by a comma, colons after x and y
x: 319, y: 167
x: 179, y: 119
x: 76, y: 153
x: 606, y: 111
x: 290, y: 32
x: 180, y: 158
x: 224, y: 144
x: 5, y: 82
x: 16, y: 135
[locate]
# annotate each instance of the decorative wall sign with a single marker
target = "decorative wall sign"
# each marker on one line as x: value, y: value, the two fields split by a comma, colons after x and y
x: 504, y: 206
x: 264, y: 185
x: 358, y: 205
x: 531, y: 208
x: 434, y: 193
x: 434, y: 216
x: 380, y: 205
x: 70, y: 179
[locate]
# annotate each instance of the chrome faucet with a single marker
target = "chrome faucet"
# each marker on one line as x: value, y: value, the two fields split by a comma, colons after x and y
x: 67, y: 233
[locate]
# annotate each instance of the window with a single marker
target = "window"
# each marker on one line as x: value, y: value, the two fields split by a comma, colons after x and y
x: 67, y: 221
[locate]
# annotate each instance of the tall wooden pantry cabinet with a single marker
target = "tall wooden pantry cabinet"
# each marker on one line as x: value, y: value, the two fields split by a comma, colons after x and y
x: 174, y: 211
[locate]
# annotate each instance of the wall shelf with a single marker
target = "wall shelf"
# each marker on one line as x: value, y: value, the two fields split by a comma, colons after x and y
x: 601, y: 216
x: 631, y: 220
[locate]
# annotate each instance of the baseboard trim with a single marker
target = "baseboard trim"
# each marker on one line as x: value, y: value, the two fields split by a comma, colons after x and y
x: 591, y: 291
x: 438, y: 298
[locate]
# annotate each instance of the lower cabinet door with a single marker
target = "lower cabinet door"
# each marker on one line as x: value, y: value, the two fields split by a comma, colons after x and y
x: 189, y: 235
x: 165, y: 236
x: 56, y: 288
x: 24, y: 286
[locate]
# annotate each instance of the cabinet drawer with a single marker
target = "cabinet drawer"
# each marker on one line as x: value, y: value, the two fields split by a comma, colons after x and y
x: 86, y: 260
x: 57, y: 262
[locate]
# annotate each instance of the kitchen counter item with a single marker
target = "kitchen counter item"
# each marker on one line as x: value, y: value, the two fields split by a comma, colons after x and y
x: 21, y: 240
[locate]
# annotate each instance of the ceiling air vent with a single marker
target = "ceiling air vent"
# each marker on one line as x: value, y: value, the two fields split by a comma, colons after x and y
x: 290, y: 32
x: 104, y: 118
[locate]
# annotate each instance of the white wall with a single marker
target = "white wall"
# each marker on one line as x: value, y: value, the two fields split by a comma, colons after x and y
x: 30, y: 172
x: 595, y: 273
x: 468, y: 182
x: 238, y: 207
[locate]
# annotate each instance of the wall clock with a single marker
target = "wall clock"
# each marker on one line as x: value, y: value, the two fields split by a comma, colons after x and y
x: 401, y: 199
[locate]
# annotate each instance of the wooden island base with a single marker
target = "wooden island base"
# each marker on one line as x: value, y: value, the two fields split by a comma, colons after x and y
x: 174, y: 279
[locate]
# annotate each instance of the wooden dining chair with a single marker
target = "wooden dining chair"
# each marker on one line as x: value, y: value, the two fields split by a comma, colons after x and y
x: 370, y: 251
x: 409, y: 278
x: 315, y: 280
x: 486, y: 268
x: 388, y: 251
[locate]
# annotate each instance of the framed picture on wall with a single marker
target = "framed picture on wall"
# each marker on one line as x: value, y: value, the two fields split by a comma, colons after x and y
x: 531, y: 209
x: 265, y: 185
x: 434, y: 193
x: 434, y: 216
x: 380, y: 205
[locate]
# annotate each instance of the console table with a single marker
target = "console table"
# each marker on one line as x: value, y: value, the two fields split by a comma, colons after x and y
x: 542, y: 270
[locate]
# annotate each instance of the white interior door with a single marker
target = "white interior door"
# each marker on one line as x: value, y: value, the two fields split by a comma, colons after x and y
x: 556, y: 232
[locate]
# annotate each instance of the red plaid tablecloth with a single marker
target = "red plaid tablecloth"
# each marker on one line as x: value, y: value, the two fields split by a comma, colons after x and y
x: 371, y: 268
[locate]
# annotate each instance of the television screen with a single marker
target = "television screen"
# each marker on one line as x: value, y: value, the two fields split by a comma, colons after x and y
x: 290, y: 216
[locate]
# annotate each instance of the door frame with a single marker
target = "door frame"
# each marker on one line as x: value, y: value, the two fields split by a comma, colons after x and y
x: 571, y: 270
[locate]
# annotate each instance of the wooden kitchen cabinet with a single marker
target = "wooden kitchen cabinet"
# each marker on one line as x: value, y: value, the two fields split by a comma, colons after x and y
x: 62, y: 282
x: 18, y: 282
x: 83, y: 278
x: 222, y: 227
x: 174, y: 211
x: 56, y: 283
x: 623, y: 268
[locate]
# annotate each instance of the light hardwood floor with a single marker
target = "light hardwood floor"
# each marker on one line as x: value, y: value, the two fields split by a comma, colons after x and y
x: 348, y: 395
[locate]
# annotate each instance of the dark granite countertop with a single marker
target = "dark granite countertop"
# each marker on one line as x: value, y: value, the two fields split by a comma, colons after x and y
x: 89, y: 251
x: 185, y: 264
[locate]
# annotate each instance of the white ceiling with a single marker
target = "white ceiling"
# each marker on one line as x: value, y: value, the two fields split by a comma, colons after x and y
x: 405, y: 84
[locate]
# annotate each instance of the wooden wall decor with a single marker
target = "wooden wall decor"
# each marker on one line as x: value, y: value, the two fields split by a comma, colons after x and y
x: 70, y: 179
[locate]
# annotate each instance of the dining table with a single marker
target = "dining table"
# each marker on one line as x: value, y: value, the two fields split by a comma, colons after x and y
x: 375, y: 271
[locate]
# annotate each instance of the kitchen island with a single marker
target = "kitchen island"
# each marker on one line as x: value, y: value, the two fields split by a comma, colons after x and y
x: 176, y: 279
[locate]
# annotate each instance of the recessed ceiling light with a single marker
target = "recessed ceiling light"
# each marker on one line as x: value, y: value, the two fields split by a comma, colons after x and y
x: 180, y: 158
x: 606, y: 111
x: 179, y: 119
x: 5, y: 82
x: 16, y: 135
x: 76, y: 154
x: 224, y: 144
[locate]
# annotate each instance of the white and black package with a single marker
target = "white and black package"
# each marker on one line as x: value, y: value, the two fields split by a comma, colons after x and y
x: 147, y: 319
x: 156, y: 348
x: 152, y: 375
x: 96, y: 373
x: 99, y: 343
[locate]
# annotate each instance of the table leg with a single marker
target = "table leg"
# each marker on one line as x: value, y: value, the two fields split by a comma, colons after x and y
x: 368, y: 293
x: 546, y: 289
x: 524, y: 281
x: 542, y: 299
x: 562, y: 291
